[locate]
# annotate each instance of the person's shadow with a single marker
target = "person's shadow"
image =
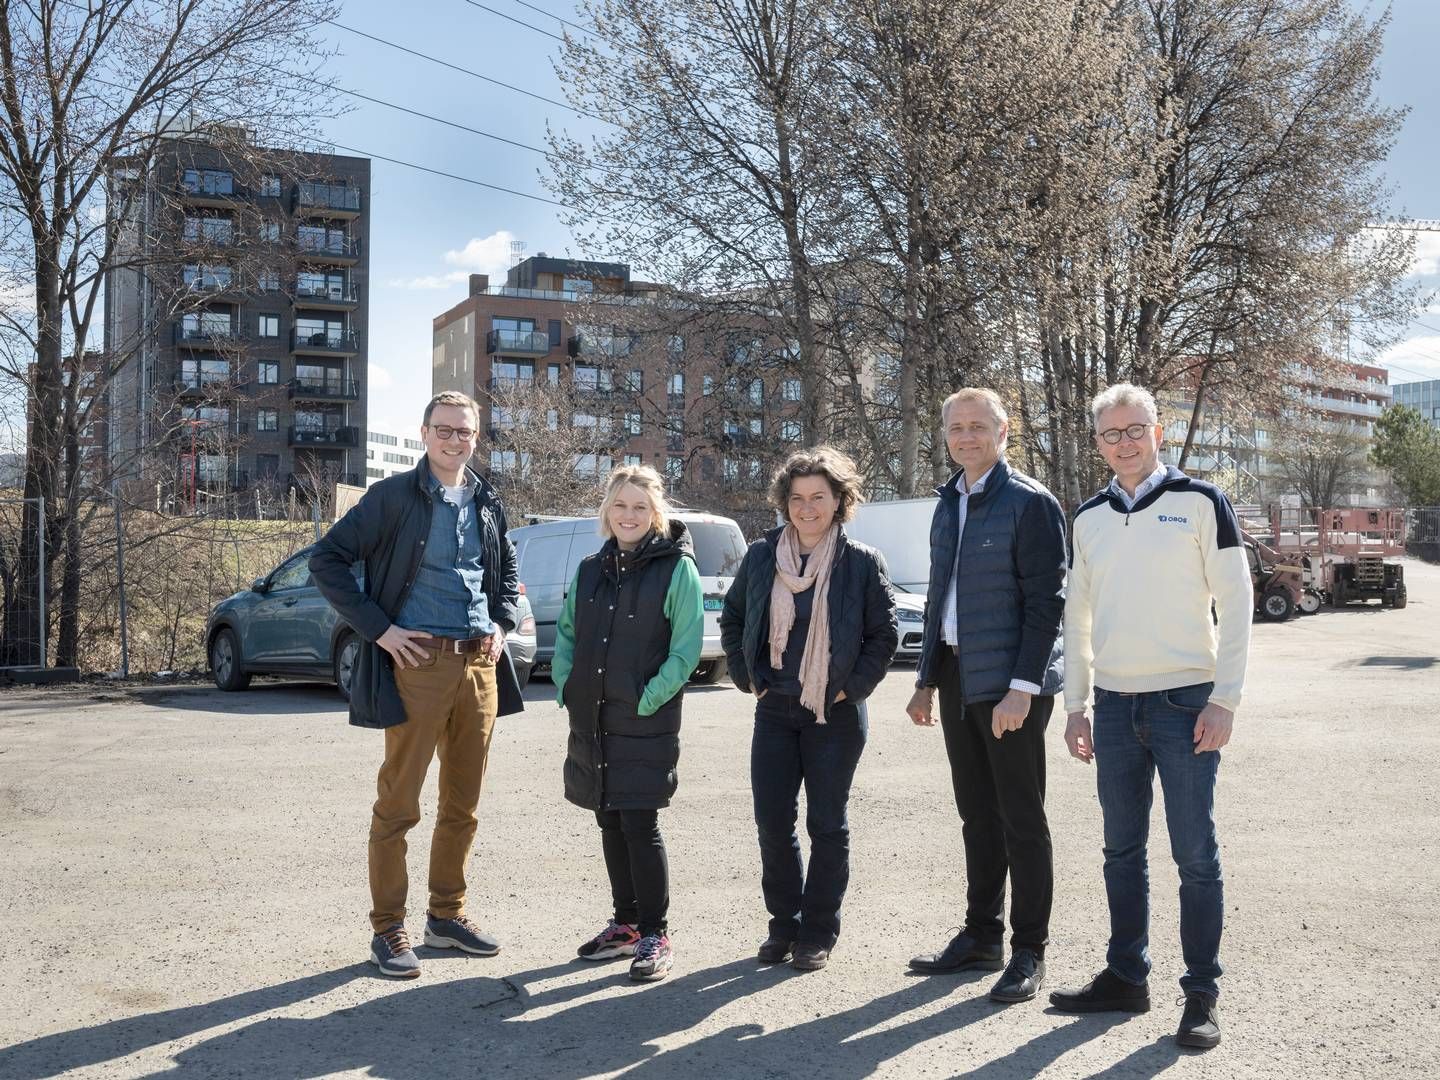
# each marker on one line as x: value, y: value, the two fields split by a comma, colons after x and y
x: 496, y: 1024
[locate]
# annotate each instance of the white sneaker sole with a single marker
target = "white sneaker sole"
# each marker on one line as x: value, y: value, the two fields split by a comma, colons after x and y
x: 392, y: 973
x: 435, y: 941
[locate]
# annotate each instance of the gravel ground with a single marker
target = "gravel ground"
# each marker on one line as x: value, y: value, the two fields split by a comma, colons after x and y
x: 185, y: 882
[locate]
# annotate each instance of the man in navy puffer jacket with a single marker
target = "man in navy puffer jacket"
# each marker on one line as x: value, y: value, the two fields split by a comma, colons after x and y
x: 992, y: 648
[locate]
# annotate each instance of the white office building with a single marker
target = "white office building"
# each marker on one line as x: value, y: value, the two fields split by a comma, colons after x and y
x: 387, y: 454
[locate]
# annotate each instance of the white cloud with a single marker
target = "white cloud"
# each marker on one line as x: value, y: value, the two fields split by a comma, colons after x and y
x: 481, y: 255
x: 1427, y: 255
x: 1412, y: 359
x: 380, y: 378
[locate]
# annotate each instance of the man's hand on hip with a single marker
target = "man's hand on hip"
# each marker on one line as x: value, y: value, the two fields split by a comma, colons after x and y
x: 1010, y: 713
x: 400, y: 644
x: 497, y: 644
x: 921, y: 708
x: 1212, y: 727
x: 1078, y: 738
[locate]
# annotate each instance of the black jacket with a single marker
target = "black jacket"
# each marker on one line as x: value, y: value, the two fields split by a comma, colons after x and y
x: 386, y: 530
x: 617, y: 759
x: 863, y: 634
x: 1012, y: 586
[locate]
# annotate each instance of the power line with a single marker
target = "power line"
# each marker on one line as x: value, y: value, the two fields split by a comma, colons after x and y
x: 517, y: 22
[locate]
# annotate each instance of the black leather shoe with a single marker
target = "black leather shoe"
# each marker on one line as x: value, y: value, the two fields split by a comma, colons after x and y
x: 1107, y: 992
x: 1022, y: 980
x: 810, y: 957
x: 1200, y: 1023
x: 774, y: 950
x: 963, y: 953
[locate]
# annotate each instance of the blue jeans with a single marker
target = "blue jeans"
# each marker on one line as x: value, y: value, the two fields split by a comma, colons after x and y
x: 1137, y: 735
x: 789, y: 748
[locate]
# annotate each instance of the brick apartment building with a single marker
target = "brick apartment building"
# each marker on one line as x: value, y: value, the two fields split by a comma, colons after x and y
x: 709, y: 400
x: 243, y: 323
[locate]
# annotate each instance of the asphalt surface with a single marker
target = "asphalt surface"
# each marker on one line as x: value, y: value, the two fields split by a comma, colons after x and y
x: 184, y: 883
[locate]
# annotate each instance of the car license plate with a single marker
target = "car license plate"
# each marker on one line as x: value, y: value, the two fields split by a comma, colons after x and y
x: 714, y: 603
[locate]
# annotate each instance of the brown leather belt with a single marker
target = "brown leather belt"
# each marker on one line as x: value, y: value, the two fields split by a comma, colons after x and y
x: 463, y: 646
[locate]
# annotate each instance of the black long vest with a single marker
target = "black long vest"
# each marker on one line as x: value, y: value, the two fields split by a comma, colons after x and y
x: 616, y: 758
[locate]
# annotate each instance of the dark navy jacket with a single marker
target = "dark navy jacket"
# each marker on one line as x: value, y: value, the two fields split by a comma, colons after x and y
x: 1012, y: 586
x: 387, y: 530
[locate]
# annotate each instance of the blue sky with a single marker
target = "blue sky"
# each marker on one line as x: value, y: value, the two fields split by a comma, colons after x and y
x: 428, y: 233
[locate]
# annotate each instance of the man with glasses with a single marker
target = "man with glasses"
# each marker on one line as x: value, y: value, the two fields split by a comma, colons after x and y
x: 440, y: 594
x: 1150, y: 554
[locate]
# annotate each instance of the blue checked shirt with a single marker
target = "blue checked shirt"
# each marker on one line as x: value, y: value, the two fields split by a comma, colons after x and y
x: 448, y: 597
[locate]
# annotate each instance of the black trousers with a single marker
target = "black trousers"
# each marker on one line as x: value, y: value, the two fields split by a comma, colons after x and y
x: 639, y: 871
x: 1000, y: 793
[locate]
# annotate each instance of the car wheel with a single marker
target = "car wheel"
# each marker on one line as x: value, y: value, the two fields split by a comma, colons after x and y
x: 1401, y: 597
x: 225, y: 666
x: 522, y: 675
x: 709, y: 672
x: 346, y: 653
x: 1309, y: 602
x: 1277, y: 605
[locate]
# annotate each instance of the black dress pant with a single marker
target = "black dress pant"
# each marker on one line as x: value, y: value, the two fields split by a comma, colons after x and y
x: 1000, y: 793
x: 639, y: 872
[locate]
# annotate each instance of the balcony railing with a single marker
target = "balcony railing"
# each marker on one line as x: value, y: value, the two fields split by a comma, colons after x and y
x: 590, y: 345
x: 217, y: 192
x: 346, y: 247
x: 328, y: 341
x: 509, y: 382
x: 313, y: 196
x: 328, y: 390
x: 343, y: 293
x: 517, y: 341
x: 306, y: 482
x: 339, y: 436
x: 205, y: 337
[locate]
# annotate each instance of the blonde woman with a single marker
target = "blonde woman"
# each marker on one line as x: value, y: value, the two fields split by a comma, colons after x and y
x: 626, y: 642
x: 809, y: 628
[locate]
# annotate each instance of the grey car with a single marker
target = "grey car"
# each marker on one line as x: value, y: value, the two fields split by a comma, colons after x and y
x: 281, y: 625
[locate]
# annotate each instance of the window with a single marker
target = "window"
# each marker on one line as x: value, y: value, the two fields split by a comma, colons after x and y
x: 209, y: 230
x: 757, y: 392
x: 509, y: 461
x: 270, y: 186
x: 292, y: 575
x: 790, y: 430
x: 676, y: 384
x: 267, y: 466
x: 269, y: 326
x: 205, y: 324
x: 322, y: 284
x: 553, y: 374
x: 592, y: 464
x: 382, y: 438
x: 270, y: 231
x: 268, y: 280
x: 674, y: 468
x: 552, y: 419
x: 675, y: 431
x: 267, y: 419
x: 676, y: 345
x: 632, y: 459
x: 511, y: 373
x: 633, y: 424
x: 554, y: 328
x: 369, y: 454
x: 635, y: 381
x: 375, y: 474
x: 790, y: 390
x: 200, y: 276
x: 588, y: 377
x: 397, y: 459
x: 413, y: 444
x: 756, y: 427
x: 321, y: 238
x: 707, y: 385
x: 208, y: 182
x: 731, y: 469
x: 268, y: 372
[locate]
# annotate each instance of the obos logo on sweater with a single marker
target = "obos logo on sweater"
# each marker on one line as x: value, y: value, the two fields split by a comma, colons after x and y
x: 1174, y: 519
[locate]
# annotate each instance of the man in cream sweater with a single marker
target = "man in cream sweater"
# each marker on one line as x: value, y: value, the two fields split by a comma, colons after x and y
x: 1150, y: 553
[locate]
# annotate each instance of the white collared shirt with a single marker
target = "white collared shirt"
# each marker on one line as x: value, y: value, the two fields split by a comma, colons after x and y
x: 950, y: 619
x: 1149, y: 484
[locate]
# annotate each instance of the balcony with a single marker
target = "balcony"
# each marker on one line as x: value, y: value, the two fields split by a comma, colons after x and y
x: 329, y: 390
x: 509, y: 382
x: 325, y: 343
x: 528, y: 342
x: 326, y: 200
x: 201, y: 337
x: 343, y: 249
x: 218, y: 193
x: 338, y: 437
x: 328, y: 297
x: 591, y: 345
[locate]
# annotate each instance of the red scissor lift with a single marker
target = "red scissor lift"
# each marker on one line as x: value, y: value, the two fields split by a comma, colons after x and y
x: 1344, y: 552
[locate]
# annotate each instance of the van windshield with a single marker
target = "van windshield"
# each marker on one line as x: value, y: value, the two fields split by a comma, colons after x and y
x: 718, y: 548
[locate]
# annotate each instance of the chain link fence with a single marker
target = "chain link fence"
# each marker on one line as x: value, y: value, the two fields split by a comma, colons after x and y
x: 1422, y: 533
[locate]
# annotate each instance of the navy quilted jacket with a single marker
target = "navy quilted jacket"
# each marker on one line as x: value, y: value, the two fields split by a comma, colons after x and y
x: 1012, y: 586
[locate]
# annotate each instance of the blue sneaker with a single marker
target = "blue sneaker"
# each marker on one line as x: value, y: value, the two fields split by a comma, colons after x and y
x: 390, y: 951
x: 459, y: 933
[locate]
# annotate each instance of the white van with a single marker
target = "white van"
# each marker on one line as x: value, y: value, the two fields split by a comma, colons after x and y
x: 549, y: 552
x: 900, y: 530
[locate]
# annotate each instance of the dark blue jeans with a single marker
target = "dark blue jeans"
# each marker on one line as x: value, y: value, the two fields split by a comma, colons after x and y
x: 1136, y: 736
x: 789, y: 748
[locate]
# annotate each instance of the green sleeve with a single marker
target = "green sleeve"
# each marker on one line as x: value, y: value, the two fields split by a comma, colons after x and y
x: 685, y: 608
x: 564, y: 658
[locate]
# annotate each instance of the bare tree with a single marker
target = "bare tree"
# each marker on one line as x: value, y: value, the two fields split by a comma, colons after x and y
x: 90, y: 96
x: 1320, y: 459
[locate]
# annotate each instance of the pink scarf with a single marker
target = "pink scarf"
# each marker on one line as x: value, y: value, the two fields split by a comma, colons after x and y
x: 815, y: 661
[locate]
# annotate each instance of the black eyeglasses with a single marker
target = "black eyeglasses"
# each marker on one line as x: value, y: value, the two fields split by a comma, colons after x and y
x: 444, y: 432
x: 1135, y: 432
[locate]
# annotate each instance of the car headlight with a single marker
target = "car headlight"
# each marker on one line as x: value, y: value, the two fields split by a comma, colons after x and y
x: 909, y: 615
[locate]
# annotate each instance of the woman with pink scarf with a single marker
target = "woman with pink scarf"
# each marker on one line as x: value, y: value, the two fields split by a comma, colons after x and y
x: 809, y: 628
